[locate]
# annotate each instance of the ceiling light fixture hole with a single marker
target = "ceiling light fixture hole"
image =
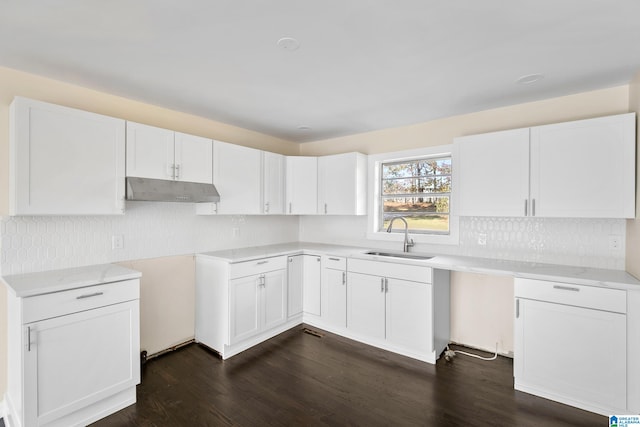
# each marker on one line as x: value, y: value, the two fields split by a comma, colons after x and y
x: 288, y: 43
x: 529, y: 79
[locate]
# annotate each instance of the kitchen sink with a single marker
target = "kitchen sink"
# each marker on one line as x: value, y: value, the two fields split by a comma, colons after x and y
x: 398, y: 255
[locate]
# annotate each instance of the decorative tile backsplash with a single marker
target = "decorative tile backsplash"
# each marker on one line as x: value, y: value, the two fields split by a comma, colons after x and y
x: 580, y: 242
x: 148, y: 230
x: 568, y: 241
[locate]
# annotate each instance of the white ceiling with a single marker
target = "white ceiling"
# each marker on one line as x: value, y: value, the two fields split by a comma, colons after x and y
x: 361, y: 65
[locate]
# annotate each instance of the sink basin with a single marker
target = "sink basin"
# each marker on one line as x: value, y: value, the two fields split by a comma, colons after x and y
x: 398, y: 255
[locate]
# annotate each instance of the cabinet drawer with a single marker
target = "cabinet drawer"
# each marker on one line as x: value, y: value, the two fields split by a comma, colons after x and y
x: 334, y: 262
x: 414, y: 273
x: 614, y: 300
x: 258, y: 266
x: 75, y: 300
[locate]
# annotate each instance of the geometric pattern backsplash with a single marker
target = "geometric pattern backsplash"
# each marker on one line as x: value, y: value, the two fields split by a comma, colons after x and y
x: 150, y: 229
x: 568, y: 241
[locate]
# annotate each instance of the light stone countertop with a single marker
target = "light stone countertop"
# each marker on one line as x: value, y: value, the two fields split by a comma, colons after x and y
x: 44, y: 282
x: 31, y: 284
x: 617, y: 279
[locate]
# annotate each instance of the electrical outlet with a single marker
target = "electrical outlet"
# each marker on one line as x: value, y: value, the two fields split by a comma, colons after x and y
x: 117, y: 242
x: 482, y: 239
x: 615, y: 243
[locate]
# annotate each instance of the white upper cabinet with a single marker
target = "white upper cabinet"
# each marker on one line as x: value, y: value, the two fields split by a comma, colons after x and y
x: 238, y: 178
x: 584, y: 168
x: 193, y: 158
x: 492, y: 172
x: 342, y: 184
x: 164, y: 154
x: 302, y: 185
x: 64, y: 161
x: 273, y: 178
x: 149, y: 151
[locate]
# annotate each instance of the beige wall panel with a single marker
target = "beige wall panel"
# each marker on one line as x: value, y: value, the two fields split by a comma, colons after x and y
x: 167, y: 301
x: 439, y: 132
x: 482, y: 311
x: 4, y: 350
x: 632, y: 253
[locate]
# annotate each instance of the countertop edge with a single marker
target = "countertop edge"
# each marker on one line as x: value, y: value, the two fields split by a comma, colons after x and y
x: 617, y: 279
x: 46, y: 282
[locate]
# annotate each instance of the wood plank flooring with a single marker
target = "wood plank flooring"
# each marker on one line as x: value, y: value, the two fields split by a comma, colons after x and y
x: 297, y: 379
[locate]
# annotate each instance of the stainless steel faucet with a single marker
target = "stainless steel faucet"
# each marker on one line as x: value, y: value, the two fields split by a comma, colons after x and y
x: 407, y: 243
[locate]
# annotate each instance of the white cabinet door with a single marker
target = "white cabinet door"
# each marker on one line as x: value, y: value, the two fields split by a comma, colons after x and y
x: 302, y: 185
x: 244, y: 308
x: 492, y: 174
x: 366, y: 305
x: 295, y: 277
x: 64, y: 161
x: 408, y: 315
x: 342, y: 184
x: 311, y: 293
x: 274, y: 299
x: 584, y: 168
x: 237, y: 174
x: 150, y: 152
x: 75, y: 360
x: 574, y: 354
x: 335, y: 311
x: 273, y: 183
x: 193, y: 158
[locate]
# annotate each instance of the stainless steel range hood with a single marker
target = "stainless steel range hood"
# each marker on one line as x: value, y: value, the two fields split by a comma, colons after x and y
x: 159, y: 190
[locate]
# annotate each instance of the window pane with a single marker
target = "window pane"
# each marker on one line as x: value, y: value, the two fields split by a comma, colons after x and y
x: 424, y: 223
x: 419, y: 191
x: 407, y: 205
x: 434, y: 184
x: 397, y: 170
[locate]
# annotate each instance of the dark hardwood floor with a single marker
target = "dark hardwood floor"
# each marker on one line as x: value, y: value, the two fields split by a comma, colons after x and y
x: 297, y: 379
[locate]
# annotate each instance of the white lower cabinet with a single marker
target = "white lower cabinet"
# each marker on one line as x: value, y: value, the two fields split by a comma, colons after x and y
x: 304, y: 285
x: 402, y: 308
x: 257, y: 303
x: 311, y: 290
x: 334, y: 281
x: 571, y: 344
x: 295, y: 277
x: 240, y: 304
x: 76, y: 357
x: 392, y: 306
x: 394, y: 310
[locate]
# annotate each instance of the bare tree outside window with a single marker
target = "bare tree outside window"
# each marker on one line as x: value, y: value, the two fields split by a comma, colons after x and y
x: 418, y: 190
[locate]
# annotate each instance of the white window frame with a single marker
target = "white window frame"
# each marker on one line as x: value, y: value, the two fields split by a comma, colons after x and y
x: 374, y: 189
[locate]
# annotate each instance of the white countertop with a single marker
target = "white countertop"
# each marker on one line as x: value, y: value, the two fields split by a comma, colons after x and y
x: 255, y: 252
x: 31, y: 284
x: 559, y: 273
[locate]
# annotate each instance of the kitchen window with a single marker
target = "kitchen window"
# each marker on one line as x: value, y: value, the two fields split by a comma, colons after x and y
x: 418, y: 190
x: 417, y: 185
